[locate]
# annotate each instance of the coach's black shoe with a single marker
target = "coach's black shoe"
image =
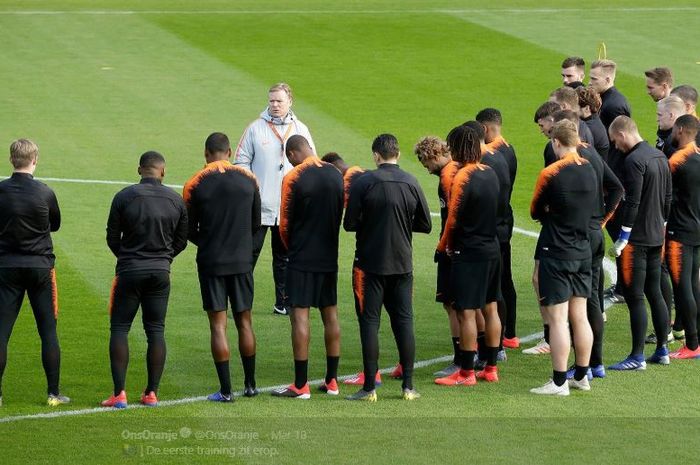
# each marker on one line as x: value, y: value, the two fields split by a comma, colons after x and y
x: 250, y: 391
x: 284, y: 311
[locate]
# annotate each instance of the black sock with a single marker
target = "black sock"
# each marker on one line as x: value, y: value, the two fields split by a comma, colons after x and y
x: 559, y: 377
x: 248, y: 362
x: 300, y: 373
x: 224, y: 375
x: 331, y: 368
x: 481, y: 345
x: 455, y: 347
x: 580, y: 372
x: 546, y: 333
x: 491, y: 356
x: 467, y: 359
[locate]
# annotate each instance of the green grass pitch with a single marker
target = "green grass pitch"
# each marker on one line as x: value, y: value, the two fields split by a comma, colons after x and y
x: 96, y: 83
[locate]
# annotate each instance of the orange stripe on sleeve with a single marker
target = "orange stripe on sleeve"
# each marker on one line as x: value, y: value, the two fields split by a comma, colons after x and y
x: 288, y: 184
x: 220, y: 166
x: 350, y: 176
x: 497, y: 143
x: 680, y: 156
x: 456, y: 196
x: 545, y: 178
x: 447, y: 176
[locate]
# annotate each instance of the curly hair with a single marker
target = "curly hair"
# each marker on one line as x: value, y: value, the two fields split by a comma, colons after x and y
x: 430, y: 148
x: 589, y: 97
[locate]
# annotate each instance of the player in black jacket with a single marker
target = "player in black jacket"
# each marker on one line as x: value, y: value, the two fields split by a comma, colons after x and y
x: 683, y: 232
x: 470, y: 238
x: 146, y: 229
x: 434, y: 155
x: 310, y: 215
x: 602, y: 79
x: 614, y: 104
x: 642, y: 214
x: 564, y: 202
x: 386, y: 206
x: 492, y: 121
x: 28, y: 216
x: 223, y: 207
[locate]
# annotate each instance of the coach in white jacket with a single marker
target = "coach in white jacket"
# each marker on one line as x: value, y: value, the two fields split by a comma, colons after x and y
x: 262, y: 151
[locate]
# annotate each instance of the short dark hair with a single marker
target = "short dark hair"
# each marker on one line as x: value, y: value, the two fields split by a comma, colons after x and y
x: 489, y: 115
x: 569, y: 115
x: 217, y: 142
x: 478, y: 127
x: 386, y: 145
x: 545, y: 110
x: 297, y: 142
x: 151, y: 159
x: 332, y: 157
x: 660, y: 75
x: 573, y: 61
x: 688, y: 123
x: 464, y: 143
x: 687, y: 93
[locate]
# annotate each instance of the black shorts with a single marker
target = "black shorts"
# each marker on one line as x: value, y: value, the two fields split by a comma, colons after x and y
x: 442, y: 291
x: 150, y: 290
x: 311, y: 289
x: 560, y: 280
x: 474, y: 284
x: 217, y: 291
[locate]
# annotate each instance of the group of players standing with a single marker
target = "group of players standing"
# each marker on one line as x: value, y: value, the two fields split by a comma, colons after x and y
x: 598, y: 173
x: 648, y: 199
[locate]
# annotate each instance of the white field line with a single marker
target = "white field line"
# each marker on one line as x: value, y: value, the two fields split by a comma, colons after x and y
x: 99, y: 181
x: 190, y: 400
x: 345, y: 12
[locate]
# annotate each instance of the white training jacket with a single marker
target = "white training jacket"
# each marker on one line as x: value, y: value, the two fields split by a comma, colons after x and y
x: 261, y: 150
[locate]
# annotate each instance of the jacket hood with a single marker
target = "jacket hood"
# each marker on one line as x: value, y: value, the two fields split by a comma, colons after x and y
x: 277, y: 121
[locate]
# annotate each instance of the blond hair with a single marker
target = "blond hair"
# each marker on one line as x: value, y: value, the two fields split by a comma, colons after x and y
x: 22, y: 153
x: 609, y: 67
x: 623, y: 124
x: 282, y: 86
x: 673, y: 104
x: 566, y: 132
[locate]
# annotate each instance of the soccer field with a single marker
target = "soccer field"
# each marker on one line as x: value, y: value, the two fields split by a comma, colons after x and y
x: 97, y: 83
